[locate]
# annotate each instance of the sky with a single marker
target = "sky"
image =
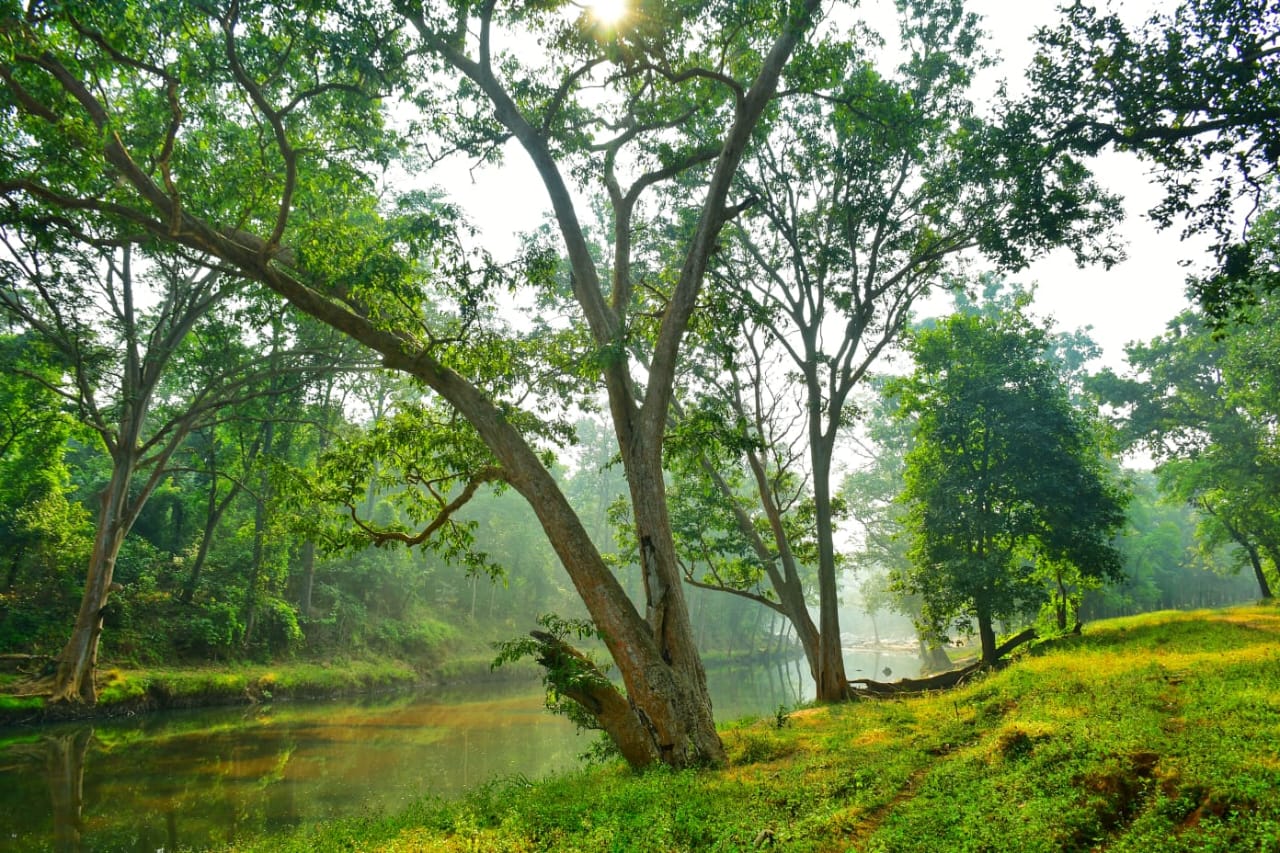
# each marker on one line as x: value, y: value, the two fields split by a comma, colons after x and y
x: 1131, y: 301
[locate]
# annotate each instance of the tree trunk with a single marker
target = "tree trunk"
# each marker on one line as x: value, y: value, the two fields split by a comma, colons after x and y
x: 213, y: 515
x: 987, y: 634
x: 1062, y: 600
x: 308, y: 560
x: 1264, y: 586
x: 786, y: 582
x: 74, y: 681
x: 255, y: 571
x: 832, y: 683
x: 592, y: 691
x: 696, y: 740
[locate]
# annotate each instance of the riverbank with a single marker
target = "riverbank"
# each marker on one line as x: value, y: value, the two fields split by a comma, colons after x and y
x: 1153, y: 732
x: 125, y: 691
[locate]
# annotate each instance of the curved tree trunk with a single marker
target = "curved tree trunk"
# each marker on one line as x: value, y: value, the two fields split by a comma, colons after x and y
x: 658, y: 662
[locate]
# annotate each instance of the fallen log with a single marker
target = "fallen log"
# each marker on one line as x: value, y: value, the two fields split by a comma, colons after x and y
x: 24, y: 664
x: 941, y: 681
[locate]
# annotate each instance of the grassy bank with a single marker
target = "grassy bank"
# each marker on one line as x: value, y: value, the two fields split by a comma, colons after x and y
x: 133, y: 690
x: 1160, y: 732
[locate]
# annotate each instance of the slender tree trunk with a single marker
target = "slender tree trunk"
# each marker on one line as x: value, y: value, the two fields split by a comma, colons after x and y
x: 259, y: 533
x: 832, y: 683
x: 308, y: 564
x: 1246, y: 542
x: 1273, y: 556
x: 308, y: 555
x: 1255, y: 560
x: 785, y: 578
x: 987, y: 634
x: 1062, y: 600
x: 213, y: 515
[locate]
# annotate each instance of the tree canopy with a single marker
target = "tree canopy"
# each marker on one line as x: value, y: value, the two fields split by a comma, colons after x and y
x: 1004, y: 474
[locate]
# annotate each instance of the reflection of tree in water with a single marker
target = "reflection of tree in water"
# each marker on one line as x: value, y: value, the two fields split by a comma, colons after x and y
x: 64, y: 764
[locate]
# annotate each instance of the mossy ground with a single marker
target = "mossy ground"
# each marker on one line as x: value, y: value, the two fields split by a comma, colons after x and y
x: 1155, y: 733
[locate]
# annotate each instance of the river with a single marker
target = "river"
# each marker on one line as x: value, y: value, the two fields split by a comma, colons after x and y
x: 201, y: 778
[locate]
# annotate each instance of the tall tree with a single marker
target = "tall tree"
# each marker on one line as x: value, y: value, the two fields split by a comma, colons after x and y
x: 1201, y: 399
x: 869, y: 195
x: 252, y: 132
x: 117, y: 325
x: 1004, y: 472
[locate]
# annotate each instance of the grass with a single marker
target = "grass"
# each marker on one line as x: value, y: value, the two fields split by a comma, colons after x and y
x: 123, y: 689
x: 1155, y: 733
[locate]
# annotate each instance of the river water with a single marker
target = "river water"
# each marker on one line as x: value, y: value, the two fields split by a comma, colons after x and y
x: 202, y: 778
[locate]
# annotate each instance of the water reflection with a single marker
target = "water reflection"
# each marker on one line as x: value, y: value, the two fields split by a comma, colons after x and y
x: 754, y: 689
x: 201, y: 779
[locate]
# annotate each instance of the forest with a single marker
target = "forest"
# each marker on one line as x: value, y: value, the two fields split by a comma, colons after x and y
x: 766, y: 366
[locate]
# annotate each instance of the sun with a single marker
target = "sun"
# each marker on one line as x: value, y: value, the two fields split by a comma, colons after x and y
x: 608, y: 12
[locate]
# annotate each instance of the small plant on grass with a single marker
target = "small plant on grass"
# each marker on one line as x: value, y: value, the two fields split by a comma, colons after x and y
x: 121, y: 688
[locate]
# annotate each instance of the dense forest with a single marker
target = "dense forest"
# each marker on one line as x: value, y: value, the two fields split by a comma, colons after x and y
x: 268, y: 393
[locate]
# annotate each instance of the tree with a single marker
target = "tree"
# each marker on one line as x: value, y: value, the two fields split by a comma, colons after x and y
x: 118, y: 326
x: 1004, y: 473
x: 252, y: 134
x: 1193, y: 92
x: 1201, y: 399
x: 869, y: 196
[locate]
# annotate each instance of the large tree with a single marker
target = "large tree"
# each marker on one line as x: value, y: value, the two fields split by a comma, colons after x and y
x: 118, y: 325
x: 1004, y: 473
x: 254, y: 134
x: 1201, y: 399
x: 869, y: 195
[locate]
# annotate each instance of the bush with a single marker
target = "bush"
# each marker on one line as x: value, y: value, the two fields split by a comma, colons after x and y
x: 213, y: 630
x: 419, y: 638
x: 278, y: 631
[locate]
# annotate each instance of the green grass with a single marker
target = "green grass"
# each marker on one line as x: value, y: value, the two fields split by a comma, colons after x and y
x: 1156, y: 733
x: 20, y: 703
x: 141, y: 689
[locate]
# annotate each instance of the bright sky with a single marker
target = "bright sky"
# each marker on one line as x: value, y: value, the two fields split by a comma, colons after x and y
x: 1132, y: 301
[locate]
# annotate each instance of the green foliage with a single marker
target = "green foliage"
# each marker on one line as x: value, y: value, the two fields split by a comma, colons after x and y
x: 1203, y: 403
x: 1192, y: 91
x: 118, y: 687
x: 214, y: 631
x: 1004, y: 473
x: 20, y: 703
x: 562, y: 674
